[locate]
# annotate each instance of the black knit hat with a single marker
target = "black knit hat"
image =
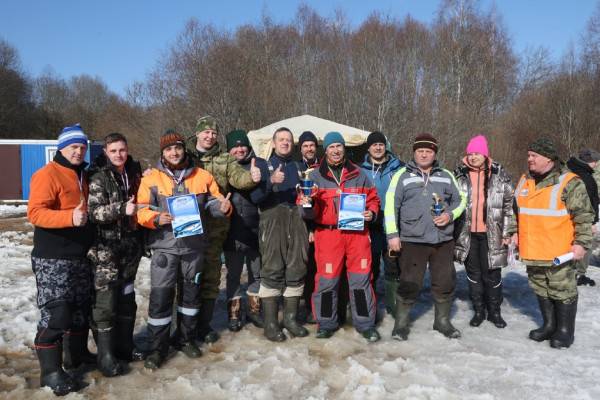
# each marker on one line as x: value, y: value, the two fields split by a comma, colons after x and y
x: 376, y: 137
x: 425, y: 140
x: 589, y: 155
x: 544, y: 147
x: 307, y: 136
x: 237, y: 137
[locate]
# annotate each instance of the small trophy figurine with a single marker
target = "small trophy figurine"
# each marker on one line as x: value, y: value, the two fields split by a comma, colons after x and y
x: 306, y: 187
x: 437, y: 208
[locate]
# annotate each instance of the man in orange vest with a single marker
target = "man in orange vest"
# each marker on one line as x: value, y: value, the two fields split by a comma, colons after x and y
x: 554, y: 219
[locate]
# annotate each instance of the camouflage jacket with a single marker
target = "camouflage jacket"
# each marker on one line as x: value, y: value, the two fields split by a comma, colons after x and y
x: 107, y: 199
x: 578, y: 203
x: 596, y: 175
x: 225, y: 169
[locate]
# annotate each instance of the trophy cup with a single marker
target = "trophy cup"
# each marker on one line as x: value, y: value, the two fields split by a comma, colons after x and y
x: 306, y: 187
x: 437, y: 208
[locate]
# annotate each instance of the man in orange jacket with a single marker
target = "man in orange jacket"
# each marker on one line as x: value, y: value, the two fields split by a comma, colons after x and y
x: 554, y: 219
x: 61, y: 239
x: 175, y: 259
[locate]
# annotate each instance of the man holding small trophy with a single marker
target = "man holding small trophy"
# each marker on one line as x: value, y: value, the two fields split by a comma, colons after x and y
x: 421, y: 205
x: 341, y: 200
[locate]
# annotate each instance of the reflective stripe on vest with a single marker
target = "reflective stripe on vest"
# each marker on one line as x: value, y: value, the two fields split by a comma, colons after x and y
x: 545, y: 227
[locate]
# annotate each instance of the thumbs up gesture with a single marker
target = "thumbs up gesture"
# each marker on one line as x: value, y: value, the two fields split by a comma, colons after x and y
x: 277, y: 176
x: 80, y: 214
x: 225, y: 203
x: 130, y: 206
x: 254, y: 171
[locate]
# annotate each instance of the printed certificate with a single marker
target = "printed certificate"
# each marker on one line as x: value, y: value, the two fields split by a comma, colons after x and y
x: 352, y: 207
x: 186, y: 216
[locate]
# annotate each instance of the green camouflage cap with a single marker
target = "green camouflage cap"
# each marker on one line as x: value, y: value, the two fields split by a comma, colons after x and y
x: 207, y: 122
x: 544, y: 147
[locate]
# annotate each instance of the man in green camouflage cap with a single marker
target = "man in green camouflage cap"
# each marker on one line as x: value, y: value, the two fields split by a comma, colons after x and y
x: 206, y: 154
x: 554, y: 218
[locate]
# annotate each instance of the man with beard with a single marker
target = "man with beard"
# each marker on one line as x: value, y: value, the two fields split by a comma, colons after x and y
x: 583, y: 166
x: 116, y: 252
x: 421, y: 205
x: 228, y: 174
x: 175, y: 261
x: 336, y: 246
x: 381, y: 164
x: 241, y: 244
x: 61, y: 239
x: 554, y: 218
x: 283, y: 239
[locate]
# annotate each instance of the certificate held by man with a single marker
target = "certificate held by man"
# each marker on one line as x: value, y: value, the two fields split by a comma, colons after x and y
x: 352, y: 208
x: 186, y: 215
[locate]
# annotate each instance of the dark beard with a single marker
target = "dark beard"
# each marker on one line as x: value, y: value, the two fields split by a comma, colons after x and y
x: 183, y: 164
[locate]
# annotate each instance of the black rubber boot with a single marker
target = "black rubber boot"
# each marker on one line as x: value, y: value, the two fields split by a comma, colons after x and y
x: 154, y: 360
x: 479, y: 314
x: 402, y: 320
x: 125, y: 349
x: 75, y: 349
x: 442, y: 322
x: 549, y: 326
x: 273, y: 331
x: 290, y: 313
x: 206, y: 333
x: 51, y: 372
x: 234, y: 314
x: 564, y: 335
x: 191, y: 350
x: 253, y: 313
x: 495, y: 298
x: 583, y: 280
x: 107, y: 361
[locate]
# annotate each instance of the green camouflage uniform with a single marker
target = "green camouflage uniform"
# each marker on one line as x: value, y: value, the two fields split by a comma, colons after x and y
x: 559, y: 282
x: 117, y: 249
x: 595, y: 250
x: 228, y: 173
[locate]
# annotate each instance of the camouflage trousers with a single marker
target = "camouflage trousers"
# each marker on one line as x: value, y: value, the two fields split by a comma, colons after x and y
x: 217, y: 229
x: 555, y: 282
x: 64, y: 289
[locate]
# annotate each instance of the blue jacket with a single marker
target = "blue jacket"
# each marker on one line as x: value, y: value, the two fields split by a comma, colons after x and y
x: 266, y: 195
x: 382, y: 174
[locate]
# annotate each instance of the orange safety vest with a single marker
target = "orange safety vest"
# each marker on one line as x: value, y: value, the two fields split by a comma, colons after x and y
x: 545, y: 227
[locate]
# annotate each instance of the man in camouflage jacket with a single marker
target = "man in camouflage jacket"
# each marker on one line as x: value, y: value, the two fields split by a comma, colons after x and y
x: 228, y: 173
x: 116, y: 252
x: 554, y: 285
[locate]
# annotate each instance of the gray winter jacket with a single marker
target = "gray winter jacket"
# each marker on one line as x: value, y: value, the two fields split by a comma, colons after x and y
x: 498, y: 214
x: 409, y: 200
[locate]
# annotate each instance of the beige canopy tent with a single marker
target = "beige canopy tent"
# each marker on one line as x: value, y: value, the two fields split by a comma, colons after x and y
x: 261, y: 138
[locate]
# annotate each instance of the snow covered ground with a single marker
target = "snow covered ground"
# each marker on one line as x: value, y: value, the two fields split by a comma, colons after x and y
x: 486, y: 363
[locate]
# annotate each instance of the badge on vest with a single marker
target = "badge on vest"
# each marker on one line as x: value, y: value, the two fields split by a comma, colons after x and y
x: 524, y: 192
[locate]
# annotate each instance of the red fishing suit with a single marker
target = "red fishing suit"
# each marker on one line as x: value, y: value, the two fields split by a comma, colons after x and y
x: 335, y: 247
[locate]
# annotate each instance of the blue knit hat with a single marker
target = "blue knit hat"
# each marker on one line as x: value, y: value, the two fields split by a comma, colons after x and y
x: 333, y: 137
x: 70, y: 135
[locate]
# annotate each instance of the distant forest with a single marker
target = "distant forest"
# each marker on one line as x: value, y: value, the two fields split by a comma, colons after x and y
x: 455, y: 77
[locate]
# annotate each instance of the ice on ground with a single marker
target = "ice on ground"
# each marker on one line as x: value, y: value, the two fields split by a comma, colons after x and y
x: 7, y: 210
x: 486, y: 363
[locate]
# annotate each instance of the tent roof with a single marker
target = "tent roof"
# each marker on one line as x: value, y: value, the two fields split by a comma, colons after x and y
x: 261, y: 138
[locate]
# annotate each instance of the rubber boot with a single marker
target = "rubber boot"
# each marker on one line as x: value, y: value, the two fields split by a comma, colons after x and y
x: 234, y: 314
x: 549, y: 326
x: 253, y: 313
x: 191, y: 350
x: 125, y: 349
x: 290, y: 313
x: 205, y: 332
x: 154, y: 360
x: 272, y: 331
x: 494, y: 298
x: 51, y: 372
x: 402, y: 320
x: 479, y: 309
x: 442, y: 322
x: 564, y: 335
x: 75, y: 349
x: 107, y: 361
x: 391, y: 287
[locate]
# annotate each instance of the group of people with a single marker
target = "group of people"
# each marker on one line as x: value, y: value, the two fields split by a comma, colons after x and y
x: 283, y: 218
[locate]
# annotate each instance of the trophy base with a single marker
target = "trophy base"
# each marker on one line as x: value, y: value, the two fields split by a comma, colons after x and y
x: 306, y: 205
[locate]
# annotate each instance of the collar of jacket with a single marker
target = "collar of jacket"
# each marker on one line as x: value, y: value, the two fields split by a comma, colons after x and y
x: 578, y: 166
x: 411, y: 166
x: 248, y: 157
x: 351, y: 170
x: 281, y: 159
x: 62, y: 161
x: 212, y: 152
x: 187, y: 170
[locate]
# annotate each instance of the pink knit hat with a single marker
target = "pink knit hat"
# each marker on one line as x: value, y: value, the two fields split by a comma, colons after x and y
x: 478, y: 145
